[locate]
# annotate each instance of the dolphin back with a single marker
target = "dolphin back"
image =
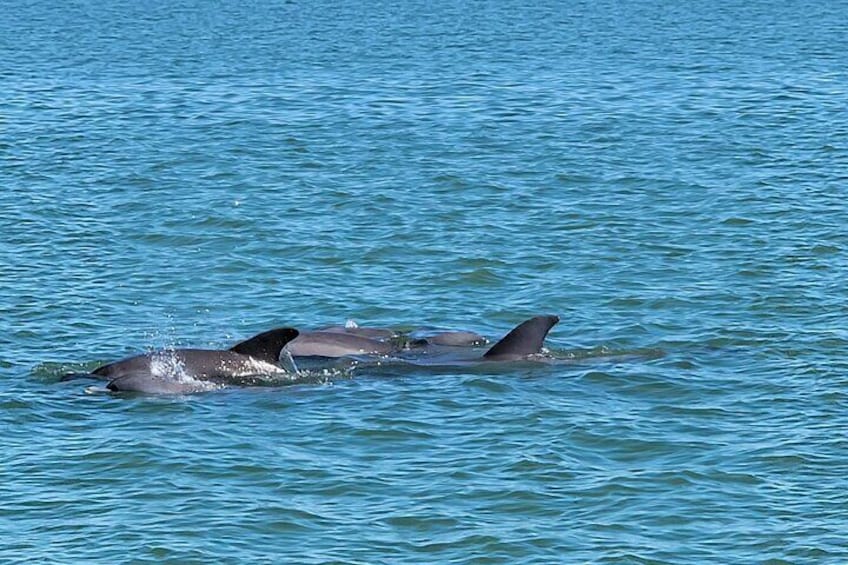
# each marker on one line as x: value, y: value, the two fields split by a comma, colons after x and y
x: 267, y: 345
x: 456, y: 339
x: 336, y: 344
x: 524, y: 339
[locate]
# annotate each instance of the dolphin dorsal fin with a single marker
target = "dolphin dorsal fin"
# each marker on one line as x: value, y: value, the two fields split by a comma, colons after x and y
x: 524, y: 339
x: 267, y: 345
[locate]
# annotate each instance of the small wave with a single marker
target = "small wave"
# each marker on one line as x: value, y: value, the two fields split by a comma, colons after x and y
x: 54, y: 371
x: 603, y: 353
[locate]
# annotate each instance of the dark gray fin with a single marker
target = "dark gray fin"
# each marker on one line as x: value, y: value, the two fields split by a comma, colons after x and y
x: 525, y: 339
x: 267, y: 345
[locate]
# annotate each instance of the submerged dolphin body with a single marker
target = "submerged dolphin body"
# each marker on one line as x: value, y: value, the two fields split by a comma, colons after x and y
x: 454, y: 350
x: 523, y: 342
x: 457, y: 338
x: 193, y: 370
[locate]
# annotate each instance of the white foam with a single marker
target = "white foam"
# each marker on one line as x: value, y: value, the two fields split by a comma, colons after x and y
x: 167, y: 365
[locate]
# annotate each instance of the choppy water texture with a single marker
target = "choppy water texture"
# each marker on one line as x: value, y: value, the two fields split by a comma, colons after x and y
x: 666, y: 176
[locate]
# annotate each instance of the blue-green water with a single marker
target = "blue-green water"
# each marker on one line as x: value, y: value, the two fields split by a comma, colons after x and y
x: 665, y: 176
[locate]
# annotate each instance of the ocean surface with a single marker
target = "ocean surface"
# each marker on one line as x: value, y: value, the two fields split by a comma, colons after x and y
x: 670, y: 178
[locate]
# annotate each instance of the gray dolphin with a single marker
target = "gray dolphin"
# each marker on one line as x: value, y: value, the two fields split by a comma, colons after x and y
x: 193, y: 370
x: 336, y: 344
x: 523, y: 342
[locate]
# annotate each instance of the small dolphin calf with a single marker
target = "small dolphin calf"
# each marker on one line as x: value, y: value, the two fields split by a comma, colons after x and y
x: 193, y: 370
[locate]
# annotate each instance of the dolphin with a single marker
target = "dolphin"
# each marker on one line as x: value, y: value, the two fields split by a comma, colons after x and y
x: 335, y: 344
x: 193, y: 370
x: 457, y: 348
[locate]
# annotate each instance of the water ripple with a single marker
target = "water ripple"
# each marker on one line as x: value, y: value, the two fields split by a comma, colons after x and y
x: 669, y: 179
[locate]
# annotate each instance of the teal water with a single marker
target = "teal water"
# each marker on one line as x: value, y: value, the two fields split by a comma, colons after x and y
x: 666, y: 176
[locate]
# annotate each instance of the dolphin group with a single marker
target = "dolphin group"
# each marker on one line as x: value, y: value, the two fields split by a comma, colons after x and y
x: 525, y: 339
x: 272, y: 353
